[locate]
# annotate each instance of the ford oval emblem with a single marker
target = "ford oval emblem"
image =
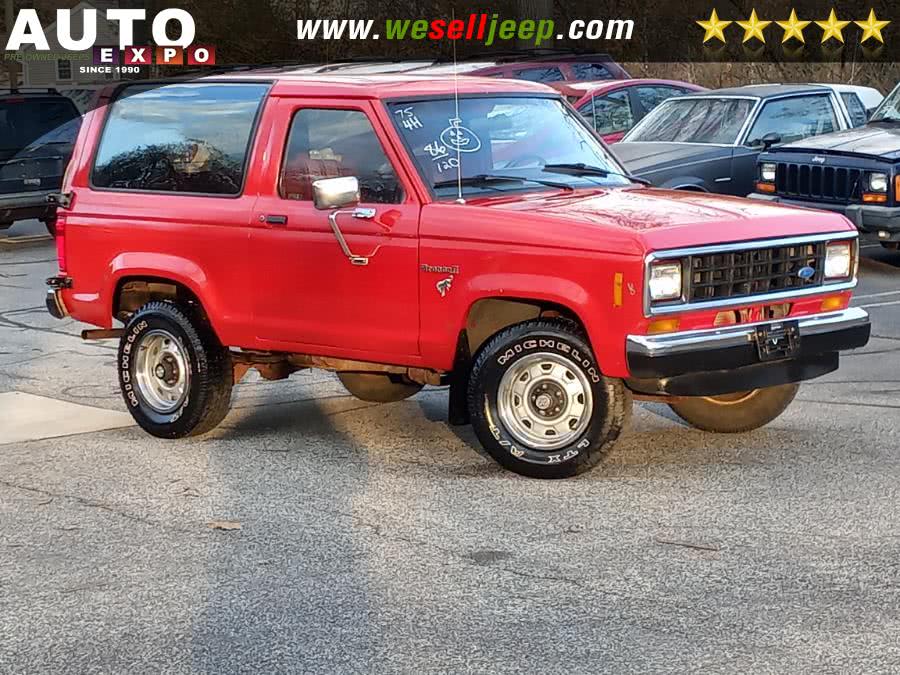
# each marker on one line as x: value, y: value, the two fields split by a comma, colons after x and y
x: 806, y: 273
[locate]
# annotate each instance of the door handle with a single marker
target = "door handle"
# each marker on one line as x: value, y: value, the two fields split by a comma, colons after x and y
x: 276, y: 220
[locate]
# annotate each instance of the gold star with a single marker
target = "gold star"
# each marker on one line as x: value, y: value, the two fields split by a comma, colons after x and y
x: 753, y: 28
x: 872, y: 27
x: 793, y: 27
x: 832, y: 28
x: 713, y: 27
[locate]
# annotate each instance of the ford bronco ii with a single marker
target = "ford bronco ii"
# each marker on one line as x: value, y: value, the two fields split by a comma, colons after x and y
x: 406, y: 231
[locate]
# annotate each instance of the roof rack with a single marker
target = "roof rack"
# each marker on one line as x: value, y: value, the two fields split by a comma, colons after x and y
x: 27, y: 90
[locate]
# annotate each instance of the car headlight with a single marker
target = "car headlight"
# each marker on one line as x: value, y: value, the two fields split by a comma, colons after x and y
x: 665, y: 281
x: 838, y: 260
x: 767, y: 172
x: 878, y: 182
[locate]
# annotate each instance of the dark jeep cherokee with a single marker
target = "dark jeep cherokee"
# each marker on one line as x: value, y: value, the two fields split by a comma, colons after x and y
x: 854, y: 172
x: 37, y: 133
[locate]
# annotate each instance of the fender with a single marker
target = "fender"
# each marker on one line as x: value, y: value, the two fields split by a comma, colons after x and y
x: 686, y: 183
x: 162, y: 266
x: 553, y: 290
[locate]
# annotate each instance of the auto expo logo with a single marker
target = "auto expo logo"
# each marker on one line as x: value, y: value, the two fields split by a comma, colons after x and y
x: 28, y: 31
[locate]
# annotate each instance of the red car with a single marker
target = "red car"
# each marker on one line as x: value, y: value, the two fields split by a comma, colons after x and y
x: 613, y: 107
x: 365, y: 226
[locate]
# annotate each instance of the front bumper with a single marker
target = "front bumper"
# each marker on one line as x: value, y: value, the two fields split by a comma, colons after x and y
x: 717, y: 361
x: 866, y: 217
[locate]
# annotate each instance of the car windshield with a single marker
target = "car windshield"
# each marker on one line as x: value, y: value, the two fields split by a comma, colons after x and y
x: 489, y: 145
x: 889, y: 110
x: 694, y: 120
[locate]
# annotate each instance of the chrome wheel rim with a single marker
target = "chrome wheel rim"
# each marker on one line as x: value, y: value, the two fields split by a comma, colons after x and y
x: 544, y: 401
x: 161, y: 371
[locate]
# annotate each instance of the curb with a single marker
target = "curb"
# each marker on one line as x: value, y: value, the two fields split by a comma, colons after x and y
x: 26, y: 241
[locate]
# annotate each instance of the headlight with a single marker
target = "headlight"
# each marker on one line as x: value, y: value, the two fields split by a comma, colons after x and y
x: 665, y: 281
x: 767, y: 172
x: 838, y: 260
x: 878, y: 182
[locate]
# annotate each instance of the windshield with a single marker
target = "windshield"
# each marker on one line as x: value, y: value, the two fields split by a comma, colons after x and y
x: 24, y: 120
x: 525, y: 140
x: 889, y: 110
x: 694, y: 120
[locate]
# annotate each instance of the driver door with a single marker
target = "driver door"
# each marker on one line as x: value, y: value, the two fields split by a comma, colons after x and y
x: 307, y: 293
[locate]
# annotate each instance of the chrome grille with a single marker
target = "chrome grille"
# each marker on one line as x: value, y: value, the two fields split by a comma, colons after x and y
x: 827, y: 183
x: 756, y: 271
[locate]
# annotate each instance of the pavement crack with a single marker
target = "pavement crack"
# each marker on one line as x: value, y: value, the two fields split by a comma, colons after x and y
x: 686, y: 544
x: 83, y: 501
x: 852, y: 403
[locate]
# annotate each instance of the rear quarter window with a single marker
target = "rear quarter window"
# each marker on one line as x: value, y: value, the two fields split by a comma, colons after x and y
x: 185, y: 138
x: 855, y: 107
x: 543, y: 74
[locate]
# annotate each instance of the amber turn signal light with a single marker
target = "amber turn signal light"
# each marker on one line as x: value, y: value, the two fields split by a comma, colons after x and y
x: 662, y: 326
x: 874, y: 198
x: 765, y: 187
x: 834, y: 303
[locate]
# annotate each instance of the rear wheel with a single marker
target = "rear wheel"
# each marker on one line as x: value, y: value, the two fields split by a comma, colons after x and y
x: 733, y: 413
x: 539, y: 404
x: 175, y: 376
x: 50, y: 224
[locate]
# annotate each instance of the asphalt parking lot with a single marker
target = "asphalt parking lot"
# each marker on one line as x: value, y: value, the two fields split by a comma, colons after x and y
x: 376, y: 538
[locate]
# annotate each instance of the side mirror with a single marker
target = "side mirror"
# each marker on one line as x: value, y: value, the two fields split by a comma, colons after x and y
x: 770, y: 139
x: 335, y: 193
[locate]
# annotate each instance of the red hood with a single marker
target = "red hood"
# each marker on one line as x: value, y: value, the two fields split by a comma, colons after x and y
x: 663, y: 219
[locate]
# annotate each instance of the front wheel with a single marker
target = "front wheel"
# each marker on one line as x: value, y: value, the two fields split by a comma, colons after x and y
x: 175, y: 376
x: 540, y: 405
x: 733, y: 413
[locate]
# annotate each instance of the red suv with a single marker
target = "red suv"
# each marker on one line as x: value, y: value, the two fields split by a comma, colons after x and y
x: 386, y: 229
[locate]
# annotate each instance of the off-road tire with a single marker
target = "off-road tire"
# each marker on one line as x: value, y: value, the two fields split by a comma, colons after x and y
x: 378, y: 387
x: 760, y: 407
x: 605, y: 419
x: 211, y: 375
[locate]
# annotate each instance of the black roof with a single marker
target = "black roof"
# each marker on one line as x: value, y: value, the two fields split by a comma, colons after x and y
x: 763, y: 90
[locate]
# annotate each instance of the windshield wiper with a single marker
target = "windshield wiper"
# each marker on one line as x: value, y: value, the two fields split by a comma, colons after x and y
x: 487, y: 178
x: 580, y: 169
